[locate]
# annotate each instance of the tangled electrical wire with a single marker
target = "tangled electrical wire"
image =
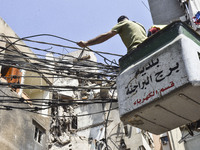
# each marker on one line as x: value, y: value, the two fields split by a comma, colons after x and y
x: 45, y: 67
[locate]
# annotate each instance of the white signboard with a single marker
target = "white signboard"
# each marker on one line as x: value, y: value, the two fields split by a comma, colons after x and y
x: 152, y: 78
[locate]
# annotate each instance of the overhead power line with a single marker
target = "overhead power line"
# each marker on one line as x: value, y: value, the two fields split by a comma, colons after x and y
x: 62, y: 66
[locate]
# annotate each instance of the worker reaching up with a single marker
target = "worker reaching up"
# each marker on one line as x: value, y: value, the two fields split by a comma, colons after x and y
x: 131, y: 33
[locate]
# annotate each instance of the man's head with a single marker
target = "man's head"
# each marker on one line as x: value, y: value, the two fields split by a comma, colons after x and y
x: 121, y: 18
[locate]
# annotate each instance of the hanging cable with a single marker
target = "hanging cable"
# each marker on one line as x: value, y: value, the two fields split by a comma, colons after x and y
x: 66, y: 66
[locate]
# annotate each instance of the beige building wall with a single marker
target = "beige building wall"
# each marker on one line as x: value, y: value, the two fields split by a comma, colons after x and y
x: 157, y: 142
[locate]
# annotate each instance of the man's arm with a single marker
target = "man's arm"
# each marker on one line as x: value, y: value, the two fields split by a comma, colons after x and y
x: 99, y: 39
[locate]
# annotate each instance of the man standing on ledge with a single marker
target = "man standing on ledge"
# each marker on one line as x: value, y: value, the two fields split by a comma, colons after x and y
x: 131, y: 33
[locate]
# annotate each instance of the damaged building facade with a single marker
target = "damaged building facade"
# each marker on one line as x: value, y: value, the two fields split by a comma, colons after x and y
x: 19, y: 127
x: 87, y: 126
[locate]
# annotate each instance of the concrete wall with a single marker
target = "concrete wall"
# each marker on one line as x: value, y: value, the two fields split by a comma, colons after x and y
x: 174, y: 138
x: 17, y: 128
x: 165, y: 11
x: 190, y: 142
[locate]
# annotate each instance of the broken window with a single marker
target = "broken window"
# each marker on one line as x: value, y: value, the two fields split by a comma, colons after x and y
x: 39, y: 132
x: 38, y: 135
x: 74, y: 122
x: 141, y: 147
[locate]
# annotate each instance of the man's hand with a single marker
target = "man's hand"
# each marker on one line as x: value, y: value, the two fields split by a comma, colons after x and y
x: 99, y: 39
x: 82, y: 44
